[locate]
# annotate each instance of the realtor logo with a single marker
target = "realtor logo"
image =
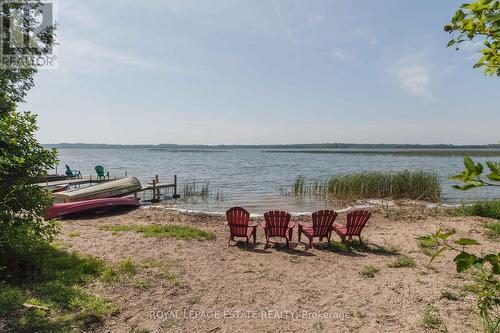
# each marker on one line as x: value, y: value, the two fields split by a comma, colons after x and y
x: 27, y: 34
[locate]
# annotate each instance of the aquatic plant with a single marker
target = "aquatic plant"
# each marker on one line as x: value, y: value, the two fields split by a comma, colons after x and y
x: 415, y: 185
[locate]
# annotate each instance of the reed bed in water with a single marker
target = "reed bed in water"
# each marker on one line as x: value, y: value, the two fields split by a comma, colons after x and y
x: 201, y: 189
x: 414, y: 185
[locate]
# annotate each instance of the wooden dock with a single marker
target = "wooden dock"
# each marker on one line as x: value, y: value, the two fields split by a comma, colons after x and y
x: 155, y: 185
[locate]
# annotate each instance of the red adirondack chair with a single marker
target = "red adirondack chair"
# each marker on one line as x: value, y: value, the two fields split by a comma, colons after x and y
x: 277, y: 224
x: 322, y: 226
x: 356, y: 221
x: 237, y: 220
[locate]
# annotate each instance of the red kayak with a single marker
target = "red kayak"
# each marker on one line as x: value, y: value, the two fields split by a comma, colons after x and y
x: 62, y: 209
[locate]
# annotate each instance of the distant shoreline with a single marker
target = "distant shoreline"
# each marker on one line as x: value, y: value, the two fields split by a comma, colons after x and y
x: 491, y: 147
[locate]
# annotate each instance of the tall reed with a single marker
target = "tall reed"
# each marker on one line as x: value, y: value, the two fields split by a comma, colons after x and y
x: 415, y: 185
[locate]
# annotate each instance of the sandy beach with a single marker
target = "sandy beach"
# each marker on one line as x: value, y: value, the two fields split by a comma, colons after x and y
x: 206, y: 286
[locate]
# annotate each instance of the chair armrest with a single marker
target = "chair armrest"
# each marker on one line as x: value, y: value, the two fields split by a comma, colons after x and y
x: 253, y: 225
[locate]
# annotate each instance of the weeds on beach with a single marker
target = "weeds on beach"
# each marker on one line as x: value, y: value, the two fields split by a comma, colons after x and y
x: 54, y: 300
x: 446, y: 294
x: 403, y: 261
x: 414, y: 185
x: 493, y: 230
x: 369, y: 271
x: 489, y: 209
x: 163, y: 231
x: 431, y: 319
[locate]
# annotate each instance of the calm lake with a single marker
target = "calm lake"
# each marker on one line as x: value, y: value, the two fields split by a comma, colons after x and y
x: 256, y: 178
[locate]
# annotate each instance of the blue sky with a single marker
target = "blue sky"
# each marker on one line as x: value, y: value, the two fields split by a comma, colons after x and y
x: 262, y: 72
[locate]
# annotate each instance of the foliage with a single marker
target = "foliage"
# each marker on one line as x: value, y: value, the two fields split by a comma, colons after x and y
x: 416, y: 185
x: 479, y: 20
x: 403, y: 261
x: 369, y: 271
x: 54, y: 300
x: 431, y: 318
x: 486, y: 270
x: 490, y: 209
x: 22, y: 159
x: 471, y: 176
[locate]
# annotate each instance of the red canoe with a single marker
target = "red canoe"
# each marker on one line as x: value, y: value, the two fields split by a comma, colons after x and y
x: 58, y: 210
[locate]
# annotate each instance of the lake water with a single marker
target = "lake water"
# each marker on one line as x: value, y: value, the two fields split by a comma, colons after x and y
x: 254, y: 178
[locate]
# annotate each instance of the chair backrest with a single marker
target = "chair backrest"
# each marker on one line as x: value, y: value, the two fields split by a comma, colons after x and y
x: 323, y: 222
x: 68, y: 171
x: 237, y: 219
x: 100, y: 170
x: 356, y: 221
x: 277, y: 223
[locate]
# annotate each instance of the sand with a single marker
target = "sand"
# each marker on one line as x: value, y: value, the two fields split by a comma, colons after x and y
x: 206, y: 286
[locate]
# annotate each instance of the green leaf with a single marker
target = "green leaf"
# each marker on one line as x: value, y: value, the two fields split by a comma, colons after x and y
x: 466, y: 241
x: 438, y: 253
x: 445, y: 235
x: 451, y: 42
x: 493, y: 259
x: 464, y: 261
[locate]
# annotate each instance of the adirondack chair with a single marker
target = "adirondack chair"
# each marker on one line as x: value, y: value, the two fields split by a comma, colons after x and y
x: 237, y: 220
x: 277, y: 224
x: 356, y: 221
x: 73, y: 173
x: 101, y: 172
x: 322, y: 226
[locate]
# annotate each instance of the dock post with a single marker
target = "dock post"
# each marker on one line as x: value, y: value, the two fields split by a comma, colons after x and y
x: 158, y: 189
x: 154, y: 200
x: 176, y: 196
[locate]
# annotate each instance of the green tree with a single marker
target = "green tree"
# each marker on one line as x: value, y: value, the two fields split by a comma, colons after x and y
x: 23, y: 232
x: 479, y: 20
x: 472, y: 175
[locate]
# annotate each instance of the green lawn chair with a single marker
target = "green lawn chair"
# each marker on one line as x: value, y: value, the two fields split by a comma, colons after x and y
x: 73, y: 173
x: 101, y: 172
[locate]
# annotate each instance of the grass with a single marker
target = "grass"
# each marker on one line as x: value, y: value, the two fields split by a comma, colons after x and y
x: 356, y: 246
x: 115, y: 273
x: 489, y: 209
x: 449, y: 295
x: 403, y: 261
x: 493, y: 230
x: 369, y: 271
x: 58, y: 300
x: 163, y: 231
x: 415, y: 185
x: 431, y: 319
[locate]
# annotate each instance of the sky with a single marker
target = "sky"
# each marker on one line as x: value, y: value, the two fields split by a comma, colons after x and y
x: 262, y: 72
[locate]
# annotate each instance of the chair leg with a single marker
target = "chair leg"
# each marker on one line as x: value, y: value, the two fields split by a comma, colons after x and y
x: 287, y: 242
x: 311, y: 243
x: 254, y: 235
x: 300, y: 232
x: 360, y: 240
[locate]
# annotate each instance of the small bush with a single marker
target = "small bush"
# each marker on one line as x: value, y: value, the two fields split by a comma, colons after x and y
x: 403, y: 261
x: 369, y: 271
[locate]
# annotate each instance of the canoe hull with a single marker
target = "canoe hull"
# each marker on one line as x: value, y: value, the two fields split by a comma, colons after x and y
x: 114, y: 188
x: 63, y: 209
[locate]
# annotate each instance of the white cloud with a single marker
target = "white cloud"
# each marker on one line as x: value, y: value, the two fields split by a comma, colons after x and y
x: 339, y: 53
x: 372, y: 41
x: 415, y: 77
